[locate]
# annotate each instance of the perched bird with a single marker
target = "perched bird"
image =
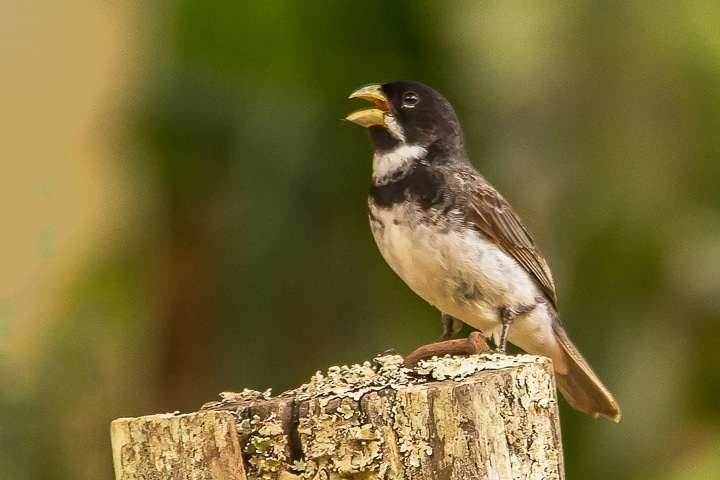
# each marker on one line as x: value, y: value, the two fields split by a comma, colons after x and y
x: 457, y: 242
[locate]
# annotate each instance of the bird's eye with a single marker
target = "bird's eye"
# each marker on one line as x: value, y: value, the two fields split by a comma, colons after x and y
x: 410, y: 99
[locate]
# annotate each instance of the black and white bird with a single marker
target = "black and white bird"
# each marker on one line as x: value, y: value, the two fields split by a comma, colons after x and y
x: 456, y: 241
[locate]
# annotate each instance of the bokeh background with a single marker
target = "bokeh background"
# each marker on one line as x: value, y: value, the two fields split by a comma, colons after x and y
x: 182, y: 209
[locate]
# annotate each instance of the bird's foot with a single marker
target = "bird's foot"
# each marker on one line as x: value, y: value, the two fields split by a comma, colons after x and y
x: 507, y: 317
x: 451, y: 327
x: 499, y: 351
x: 474, y: 344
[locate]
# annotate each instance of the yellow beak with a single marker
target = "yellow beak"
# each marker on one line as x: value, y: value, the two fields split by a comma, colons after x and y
x: 371, y: 116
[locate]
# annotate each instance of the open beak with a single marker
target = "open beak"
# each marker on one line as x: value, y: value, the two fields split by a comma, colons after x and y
x: 371, y: 116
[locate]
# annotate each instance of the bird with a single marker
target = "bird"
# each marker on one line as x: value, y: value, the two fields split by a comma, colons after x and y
x: 455, y: 240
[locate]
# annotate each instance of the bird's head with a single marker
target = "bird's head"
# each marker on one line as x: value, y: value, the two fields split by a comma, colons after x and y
x: 409, y: 114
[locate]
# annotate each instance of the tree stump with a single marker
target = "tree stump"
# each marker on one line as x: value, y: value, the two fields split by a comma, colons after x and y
x: 482, y: 416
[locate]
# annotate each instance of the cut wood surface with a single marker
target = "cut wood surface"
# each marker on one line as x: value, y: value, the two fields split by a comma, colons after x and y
x: 482, y: 416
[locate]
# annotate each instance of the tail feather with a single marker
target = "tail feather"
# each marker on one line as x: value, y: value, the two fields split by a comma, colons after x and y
x: 580, y: 386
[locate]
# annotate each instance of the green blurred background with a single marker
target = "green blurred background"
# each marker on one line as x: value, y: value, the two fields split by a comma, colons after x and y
x: 183, y: 209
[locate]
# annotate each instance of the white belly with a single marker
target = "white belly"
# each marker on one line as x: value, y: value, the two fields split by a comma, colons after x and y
x: 459, y: 271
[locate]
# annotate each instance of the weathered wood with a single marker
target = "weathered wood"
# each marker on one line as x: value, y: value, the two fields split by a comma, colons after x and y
x: 471, y: 417
x: 196, y: 446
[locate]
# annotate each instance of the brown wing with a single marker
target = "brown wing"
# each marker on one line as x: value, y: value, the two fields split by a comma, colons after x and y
x: 492, y: 214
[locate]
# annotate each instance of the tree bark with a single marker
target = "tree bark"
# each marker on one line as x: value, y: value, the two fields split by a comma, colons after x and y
x: 474, y: 417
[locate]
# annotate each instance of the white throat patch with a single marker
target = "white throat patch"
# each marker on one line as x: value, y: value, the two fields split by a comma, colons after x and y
x: 387, y: 163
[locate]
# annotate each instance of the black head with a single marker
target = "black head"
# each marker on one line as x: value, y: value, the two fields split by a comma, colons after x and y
x: 410, y: 113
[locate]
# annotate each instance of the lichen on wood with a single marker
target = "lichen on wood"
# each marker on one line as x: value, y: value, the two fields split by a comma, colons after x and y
x: 481, y: 416
x: 198, y: 445
x: 453, y: 417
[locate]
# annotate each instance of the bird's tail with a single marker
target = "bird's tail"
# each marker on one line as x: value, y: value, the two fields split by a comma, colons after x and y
x: 580, y: 386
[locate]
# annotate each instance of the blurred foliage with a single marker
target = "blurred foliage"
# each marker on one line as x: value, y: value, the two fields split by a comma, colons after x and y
x: 248, y: 262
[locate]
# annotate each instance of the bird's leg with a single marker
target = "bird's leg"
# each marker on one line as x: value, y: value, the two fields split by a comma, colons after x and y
x: 507, y: 317
x: 451, y: 327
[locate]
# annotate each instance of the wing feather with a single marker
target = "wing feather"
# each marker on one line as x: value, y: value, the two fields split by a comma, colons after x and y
x: 492, y: 214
